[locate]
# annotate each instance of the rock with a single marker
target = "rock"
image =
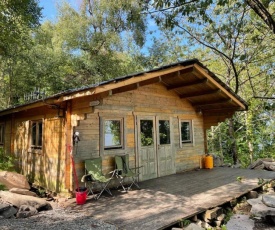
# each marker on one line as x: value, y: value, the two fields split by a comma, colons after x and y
x: 194, y: 218
x: 221, y: 217
x: 14, y: 180
x: 26, y: 211
x: 260, y: 209
x: 252, y: 195
x: 4, y: 207
x: 212, y: 214
x: 9, y: 212
x: 193, y: 226
x: 22, y: 191
x: 17, y: 200
x: 217, y: 160
x: 205, y: 225
x: 269, y: 200
x: 240, y: 222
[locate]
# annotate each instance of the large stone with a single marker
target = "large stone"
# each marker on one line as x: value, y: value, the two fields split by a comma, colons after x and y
x: 269, y: 200
x: 9, y: 213
x: 240, y: 222
x: 4, y: 207
x: 252, y: 195
x: 17, y: 200
x: 26, y: 211
x: 259, y: 208
x: 22, y: 191
x: 193, y: 226
x: 14, y: 180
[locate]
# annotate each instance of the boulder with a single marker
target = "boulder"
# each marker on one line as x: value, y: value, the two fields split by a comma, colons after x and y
x: 252, y: 195
x: 269, y: 200
x: 13, y: 180
x: 22, y: 191
x: 17, y: 200
x: 259, y: 208
x: 9, y: 212
x: 240, y: 222
x: 26, y: 211
x: 4, y: 207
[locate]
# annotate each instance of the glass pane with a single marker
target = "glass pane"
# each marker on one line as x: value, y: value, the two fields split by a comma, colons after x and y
x: 146, y: 132
x: 39, y: 134
x: 164, y: 132
x: 33, y: 141
x: 185, y: 131
x: 112, y: 133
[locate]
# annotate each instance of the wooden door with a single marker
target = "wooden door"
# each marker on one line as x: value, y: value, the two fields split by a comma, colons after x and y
x: 147, y: 147
x: 165, y: 155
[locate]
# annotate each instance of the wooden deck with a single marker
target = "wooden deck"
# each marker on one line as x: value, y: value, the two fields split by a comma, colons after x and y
x: 163, y: 201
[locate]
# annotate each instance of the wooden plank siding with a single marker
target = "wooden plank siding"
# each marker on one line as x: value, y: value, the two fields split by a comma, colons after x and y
x: 153, y: 100
x: 45, y: 168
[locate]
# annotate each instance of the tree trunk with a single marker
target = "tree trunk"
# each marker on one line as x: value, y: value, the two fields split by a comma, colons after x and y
x: 233, y: 147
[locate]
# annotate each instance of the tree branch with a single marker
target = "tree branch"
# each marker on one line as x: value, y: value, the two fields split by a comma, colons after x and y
x: 262, y: 12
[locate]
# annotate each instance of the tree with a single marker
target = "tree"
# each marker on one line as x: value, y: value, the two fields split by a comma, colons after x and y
x: 192, y: 8
x: 85, y: 46
x: 96, y: 33
x: 15, y: 18
x: 240, y: 50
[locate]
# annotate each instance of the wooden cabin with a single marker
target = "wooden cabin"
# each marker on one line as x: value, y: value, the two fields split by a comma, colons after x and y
x: 158, y: 117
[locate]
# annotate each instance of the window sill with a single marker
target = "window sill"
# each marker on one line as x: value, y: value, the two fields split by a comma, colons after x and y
x: 35, y: 151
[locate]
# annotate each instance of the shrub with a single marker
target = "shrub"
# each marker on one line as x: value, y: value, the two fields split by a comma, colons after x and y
x: 6, y: 161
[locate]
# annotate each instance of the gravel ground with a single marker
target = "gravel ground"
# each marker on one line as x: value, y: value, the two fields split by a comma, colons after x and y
x: 58, y: 218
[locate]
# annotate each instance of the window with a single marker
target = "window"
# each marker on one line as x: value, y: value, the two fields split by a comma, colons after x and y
x: 164, y: 132
x: 113, y: 134
x: 2, y: 133
x: 36, y: 134
x: 186, y: 132
x: 146, y: 132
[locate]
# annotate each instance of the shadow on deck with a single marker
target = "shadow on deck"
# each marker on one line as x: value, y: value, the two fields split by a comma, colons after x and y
x: 161, y: 202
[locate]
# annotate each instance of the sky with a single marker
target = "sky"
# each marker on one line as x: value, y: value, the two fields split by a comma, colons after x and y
x: 49, y: 10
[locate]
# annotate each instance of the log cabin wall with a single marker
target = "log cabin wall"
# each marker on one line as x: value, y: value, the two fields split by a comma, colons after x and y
x: 45, y: 166
x: 150, y: 100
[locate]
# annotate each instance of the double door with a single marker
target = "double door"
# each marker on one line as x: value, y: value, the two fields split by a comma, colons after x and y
x: 155, y: 152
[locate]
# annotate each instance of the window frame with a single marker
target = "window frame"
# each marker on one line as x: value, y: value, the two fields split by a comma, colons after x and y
x: 2, y: 134
x: 191, y: 128
x: 120, y: 146
x: 111, y: 151
x: 36, y: 147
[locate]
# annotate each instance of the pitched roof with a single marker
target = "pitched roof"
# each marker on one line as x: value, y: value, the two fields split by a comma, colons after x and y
x: 190, y: 79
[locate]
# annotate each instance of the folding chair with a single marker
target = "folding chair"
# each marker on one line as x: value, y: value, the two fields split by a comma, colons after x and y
x: 93, y: 168
x: 123, y: 171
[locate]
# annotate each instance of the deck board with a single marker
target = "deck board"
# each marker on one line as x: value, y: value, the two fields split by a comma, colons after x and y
x: 163, y: 201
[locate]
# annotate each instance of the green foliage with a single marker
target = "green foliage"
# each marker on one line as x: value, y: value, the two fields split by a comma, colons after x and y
x: 6, y: 161
x: 184, y: 222
x: 2, y: 187
x: 15, y: 18
x: 84, y: 46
